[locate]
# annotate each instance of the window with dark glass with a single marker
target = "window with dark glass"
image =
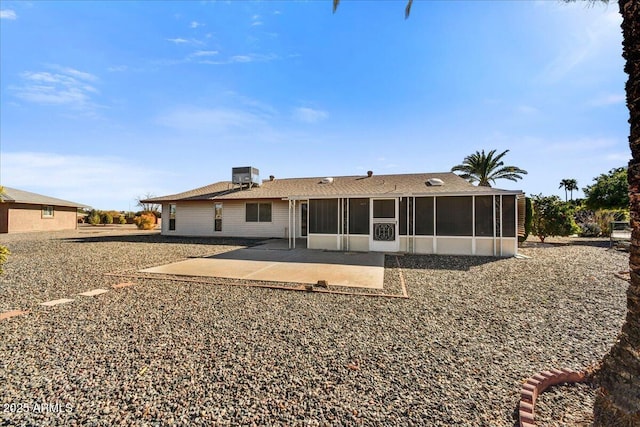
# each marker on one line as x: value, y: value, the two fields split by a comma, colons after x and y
x: 323, y: 216
x: 454, y: 216
x: 484, y: 216
x: 258, y: 212
x: 509, y: 216
x: 47, y: 211
x: 384, y: 208
x: 424, y: 216
x: 217, y: 217
x: 358, y: 216
x: 172, y: 217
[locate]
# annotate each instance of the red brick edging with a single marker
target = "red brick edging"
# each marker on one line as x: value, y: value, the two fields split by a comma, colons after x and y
x: 538, y: 383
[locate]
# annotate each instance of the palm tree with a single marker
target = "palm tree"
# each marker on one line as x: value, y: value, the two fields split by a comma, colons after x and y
x: 618, y: 399
x: 485, y: 168
x: 569, y: 184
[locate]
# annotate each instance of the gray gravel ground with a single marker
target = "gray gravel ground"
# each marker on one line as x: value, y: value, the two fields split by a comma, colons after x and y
x: 171, y: 353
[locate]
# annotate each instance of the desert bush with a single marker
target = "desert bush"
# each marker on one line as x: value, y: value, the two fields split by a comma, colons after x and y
x: 4, y: 253
x: 145, y: 221
x: 107, y: 218
x: 590, y: 229
x: 94, y: 217
x: 552, y: 217
x: 604, y: 217
x: 122, y: 219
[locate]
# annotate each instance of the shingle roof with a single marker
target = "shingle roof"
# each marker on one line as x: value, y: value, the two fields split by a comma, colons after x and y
x: 12, y: 195
x: 342, y: 186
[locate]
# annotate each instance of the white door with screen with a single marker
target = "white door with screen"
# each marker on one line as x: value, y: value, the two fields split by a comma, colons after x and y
x: 383, y: 235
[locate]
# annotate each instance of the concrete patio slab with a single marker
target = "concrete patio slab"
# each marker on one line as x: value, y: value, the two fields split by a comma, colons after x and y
x: 56, y: 302
x: 94, y: 293
x: 362, y: 270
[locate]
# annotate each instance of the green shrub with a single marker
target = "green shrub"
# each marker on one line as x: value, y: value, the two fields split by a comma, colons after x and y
x: 122, y: 219
x: 145, y: 221
x: 552, y: 217
x: 4, y: 253
x: 590, y: 229
x: 107, y: 218
x: 94, y: 218
x: 604, y: 218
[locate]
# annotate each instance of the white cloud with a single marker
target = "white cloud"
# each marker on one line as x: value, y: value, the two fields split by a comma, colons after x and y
x: 178, y: 40
x: 68, y: 86
x: 209, y: 120
x: 309, y: 115
x: 205, y: 53
x: 98, y: 181
x: 248, y: 58
x: 582, y: 145
x: 255, y: 21
x: 527, y: 109
x: 608, y: 99
x: 8, y: 14
x: 196, y: 24
x: 117, y: 68
x: 583, y: 42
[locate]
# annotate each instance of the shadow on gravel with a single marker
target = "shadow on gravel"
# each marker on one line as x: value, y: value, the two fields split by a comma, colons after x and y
x: 158, y: 238
x: 598, y: 243
x: 444, y: 262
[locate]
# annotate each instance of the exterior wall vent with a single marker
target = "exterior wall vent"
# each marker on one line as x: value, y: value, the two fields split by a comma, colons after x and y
x: 327, y: 180
x: 435, y: 182
x: 245, y: 175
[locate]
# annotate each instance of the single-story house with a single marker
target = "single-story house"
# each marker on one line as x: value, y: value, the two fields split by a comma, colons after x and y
x: 22, y: 211
x: 425, y: 213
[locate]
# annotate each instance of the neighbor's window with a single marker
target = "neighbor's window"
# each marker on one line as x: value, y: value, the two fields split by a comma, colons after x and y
x: 172, y: 217
x: 359, y: 216
x: 217, y: 217
x: 424, y: 216
x: 323, y: 216
x: 484, y: 216
x: 453, y: 216
x: 258, y: 212
x: 47, y: 211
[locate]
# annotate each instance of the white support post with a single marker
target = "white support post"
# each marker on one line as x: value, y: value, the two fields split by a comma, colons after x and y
x: 473, y: 225
x: 493, y: 215
x: 501, y: 229
x: 435, y: 229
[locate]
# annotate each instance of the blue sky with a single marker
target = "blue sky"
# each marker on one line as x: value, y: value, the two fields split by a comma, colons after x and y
x: 101, y: 102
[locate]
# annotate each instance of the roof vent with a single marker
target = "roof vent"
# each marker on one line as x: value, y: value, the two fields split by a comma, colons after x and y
x: 435, y: 182
x: 369, y: 174
x: 327, y: 180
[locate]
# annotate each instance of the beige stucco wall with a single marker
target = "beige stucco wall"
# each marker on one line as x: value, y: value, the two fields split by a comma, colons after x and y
x: 323, y: 241
x: 25, y: 218
x: 484, y: 246
x: 197, y: 219
x: 454, y: 246
x: 424, y: 245
x: 359, y: 243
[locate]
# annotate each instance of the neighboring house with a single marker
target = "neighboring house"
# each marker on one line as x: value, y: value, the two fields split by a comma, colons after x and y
x: 22, y: 211
x: 427, y: 213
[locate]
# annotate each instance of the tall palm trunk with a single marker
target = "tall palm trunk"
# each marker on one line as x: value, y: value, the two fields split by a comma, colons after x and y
x: 618, y: 400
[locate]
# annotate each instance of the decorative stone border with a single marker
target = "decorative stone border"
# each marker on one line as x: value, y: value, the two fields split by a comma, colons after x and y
x: 538, y: 383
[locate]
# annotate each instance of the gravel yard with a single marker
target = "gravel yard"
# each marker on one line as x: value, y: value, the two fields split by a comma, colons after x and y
x: 177, y: 353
